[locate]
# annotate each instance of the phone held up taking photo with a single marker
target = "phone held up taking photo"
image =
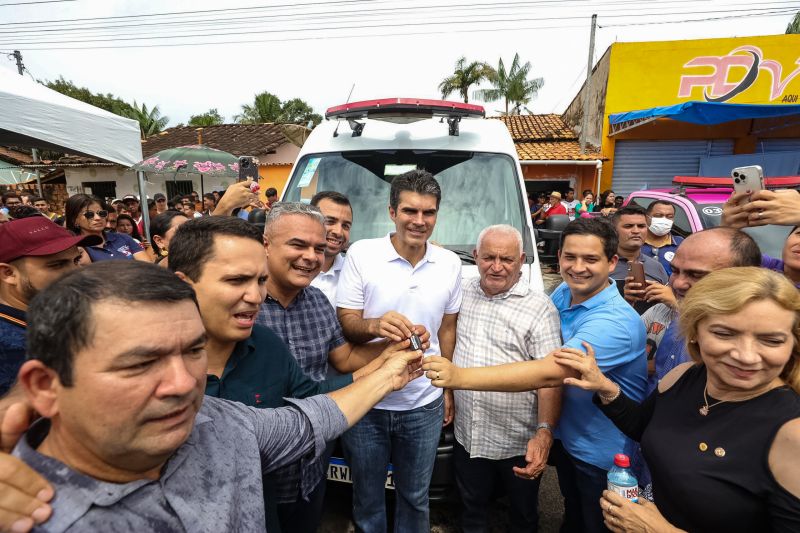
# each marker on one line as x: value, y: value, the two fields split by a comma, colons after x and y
x: 248, y: 168
x: 748, y: 179
x: 637, y: 271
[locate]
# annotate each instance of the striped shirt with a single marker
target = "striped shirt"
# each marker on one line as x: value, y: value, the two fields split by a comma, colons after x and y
x: 519, y: 325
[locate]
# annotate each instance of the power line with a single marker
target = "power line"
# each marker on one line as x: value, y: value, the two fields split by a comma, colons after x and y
x: 773, y: 14
x: 219, y: 23
x: 425, y: 23
x: 36, y: 2
x: 351, y: 36
x: 569, y: 90
x: 250, y: 19
x: 307, y: 38
x: 306, y: 4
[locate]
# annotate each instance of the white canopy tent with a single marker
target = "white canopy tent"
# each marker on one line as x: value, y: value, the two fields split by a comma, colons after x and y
x: 33, y: 116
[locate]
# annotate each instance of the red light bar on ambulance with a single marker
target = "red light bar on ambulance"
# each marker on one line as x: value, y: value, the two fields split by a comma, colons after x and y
x: 404, y: 106
x: 777, y: 182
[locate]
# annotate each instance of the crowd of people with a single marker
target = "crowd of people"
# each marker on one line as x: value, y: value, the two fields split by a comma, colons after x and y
x: 195, y: 378
x: 543, y: 206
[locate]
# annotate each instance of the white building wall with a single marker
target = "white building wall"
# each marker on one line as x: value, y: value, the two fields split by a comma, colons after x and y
x: 126, y: 182
x: 286, y: 154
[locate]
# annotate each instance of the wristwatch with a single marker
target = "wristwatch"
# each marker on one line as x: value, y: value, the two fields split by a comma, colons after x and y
x: 544, y: 425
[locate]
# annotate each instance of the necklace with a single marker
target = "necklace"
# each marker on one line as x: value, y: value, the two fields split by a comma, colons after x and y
x: 705, y: 408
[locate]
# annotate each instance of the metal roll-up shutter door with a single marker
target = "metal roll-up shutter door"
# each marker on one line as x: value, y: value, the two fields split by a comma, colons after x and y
x: 653, y: 164
x: 778, y: 145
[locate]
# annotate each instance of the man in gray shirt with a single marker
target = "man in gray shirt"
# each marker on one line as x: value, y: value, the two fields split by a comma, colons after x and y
x: 630, y: 224
x: 127, y: 440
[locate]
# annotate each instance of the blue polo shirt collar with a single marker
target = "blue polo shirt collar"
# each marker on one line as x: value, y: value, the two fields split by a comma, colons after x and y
x: 598, y: 299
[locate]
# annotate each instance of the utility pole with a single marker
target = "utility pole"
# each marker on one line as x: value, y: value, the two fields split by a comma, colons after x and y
x: 20, y: 67
x: 35, y: 155
x: 587, y: 88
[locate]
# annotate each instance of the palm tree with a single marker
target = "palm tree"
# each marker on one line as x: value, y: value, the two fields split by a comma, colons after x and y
x: 513, y: 86
x: 794, y: 25
x: 150, y: 121
x: 464, y: 76
x: 266, y: 108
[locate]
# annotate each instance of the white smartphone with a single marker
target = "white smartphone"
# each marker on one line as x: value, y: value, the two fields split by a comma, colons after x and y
x: 748, y: 178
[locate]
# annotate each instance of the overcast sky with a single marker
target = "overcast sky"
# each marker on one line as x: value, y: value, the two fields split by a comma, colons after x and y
x: 317, y: 49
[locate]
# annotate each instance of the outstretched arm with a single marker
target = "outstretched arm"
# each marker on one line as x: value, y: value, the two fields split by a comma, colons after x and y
x: 400, y: 367
x: 510, y: 377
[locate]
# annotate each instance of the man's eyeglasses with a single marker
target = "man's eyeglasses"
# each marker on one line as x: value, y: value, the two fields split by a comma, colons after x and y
x: 161, y: 200
x: 90, y: 214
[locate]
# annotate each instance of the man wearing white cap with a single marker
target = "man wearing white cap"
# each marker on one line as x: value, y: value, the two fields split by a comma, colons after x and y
x: 555, y: 207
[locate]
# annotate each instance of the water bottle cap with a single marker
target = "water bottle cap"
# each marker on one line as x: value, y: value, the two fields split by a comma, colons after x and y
x: 622, y: 460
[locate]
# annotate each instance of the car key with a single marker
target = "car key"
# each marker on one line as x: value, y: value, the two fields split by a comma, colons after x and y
x: 416, y: 343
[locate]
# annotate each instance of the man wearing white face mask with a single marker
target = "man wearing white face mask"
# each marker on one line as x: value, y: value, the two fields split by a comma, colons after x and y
x: 660, y: 243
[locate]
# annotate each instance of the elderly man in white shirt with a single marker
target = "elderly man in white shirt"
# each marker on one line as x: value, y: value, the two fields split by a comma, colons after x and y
x: 338, y: 213
x: 503, y: 438
x: 390, y: 288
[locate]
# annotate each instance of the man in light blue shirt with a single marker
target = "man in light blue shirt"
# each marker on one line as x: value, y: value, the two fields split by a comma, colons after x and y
x: 593, y: 311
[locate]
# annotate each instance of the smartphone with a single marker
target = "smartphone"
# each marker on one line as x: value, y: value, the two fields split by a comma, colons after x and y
x: 636, y: 269
x: 748, y: 179
x: 248, y: 168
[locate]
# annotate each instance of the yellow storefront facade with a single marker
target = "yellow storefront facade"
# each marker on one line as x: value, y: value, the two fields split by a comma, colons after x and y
x: 639, y: 76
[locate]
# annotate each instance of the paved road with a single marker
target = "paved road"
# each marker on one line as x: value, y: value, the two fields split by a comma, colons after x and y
x: 444, y: 516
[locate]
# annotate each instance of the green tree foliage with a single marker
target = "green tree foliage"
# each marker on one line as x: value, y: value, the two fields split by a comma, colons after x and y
x: 794, y: 25
x: 209, y: 118
x: 109, y: 102
x: 512, y: 85
x: 298, y: 111
x: 267, y: 107
x: 150, y: 120
x: 464, y: 76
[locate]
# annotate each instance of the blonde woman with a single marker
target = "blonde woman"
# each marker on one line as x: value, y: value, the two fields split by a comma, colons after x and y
x: 721, y: 435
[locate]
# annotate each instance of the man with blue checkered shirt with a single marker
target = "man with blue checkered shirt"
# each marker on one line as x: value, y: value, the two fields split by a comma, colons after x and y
x: 302, y: 316
x: 503, y: 438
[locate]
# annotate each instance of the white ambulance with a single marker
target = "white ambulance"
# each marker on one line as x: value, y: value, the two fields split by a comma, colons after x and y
x: 361, y: 146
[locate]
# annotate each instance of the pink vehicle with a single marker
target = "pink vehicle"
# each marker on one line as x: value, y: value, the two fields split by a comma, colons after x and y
x: 698, y: 205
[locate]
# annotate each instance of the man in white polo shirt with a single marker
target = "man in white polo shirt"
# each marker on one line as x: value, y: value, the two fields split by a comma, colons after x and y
x: 338, y: 215
x: 389, y: 288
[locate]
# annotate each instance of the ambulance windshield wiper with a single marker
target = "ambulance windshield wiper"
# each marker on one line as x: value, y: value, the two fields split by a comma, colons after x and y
x: 465, y: 256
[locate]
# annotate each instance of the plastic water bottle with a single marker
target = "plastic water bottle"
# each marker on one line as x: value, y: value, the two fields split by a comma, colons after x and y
x: 621, y: 480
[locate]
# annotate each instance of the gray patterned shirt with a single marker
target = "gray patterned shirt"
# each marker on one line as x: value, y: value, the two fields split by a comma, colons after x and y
x: 518, y: 325
x: 211, y: 483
